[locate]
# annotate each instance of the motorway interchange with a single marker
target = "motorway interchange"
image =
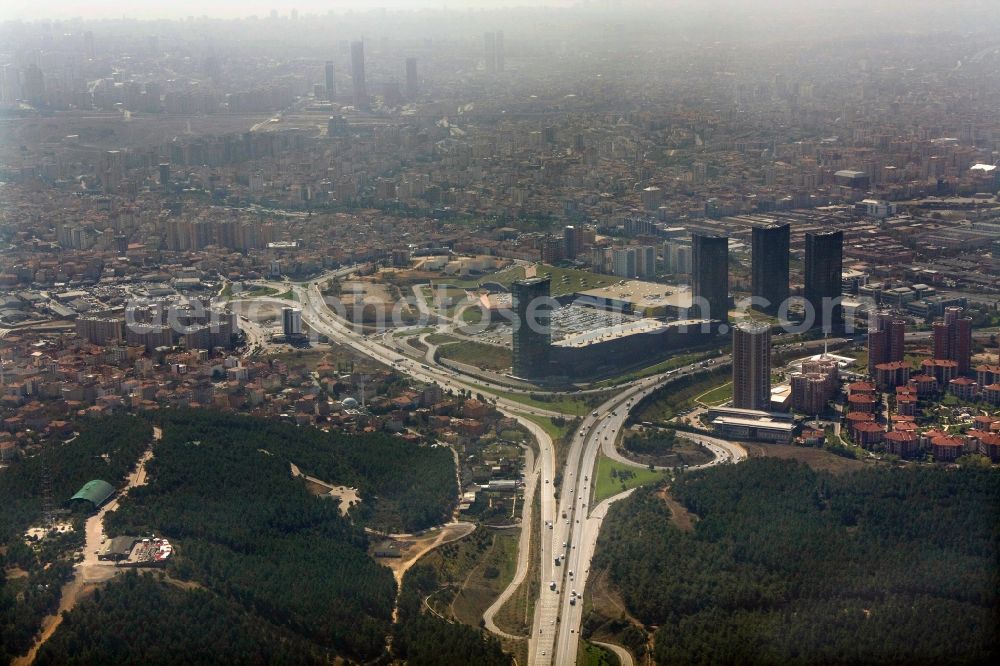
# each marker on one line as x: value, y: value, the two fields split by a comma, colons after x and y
x: 570, y: 526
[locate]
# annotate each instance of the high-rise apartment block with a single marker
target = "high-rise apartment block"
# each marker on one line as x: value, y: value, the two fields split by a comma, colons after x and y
x: 710, y: 276
x: 886, y: 340
x: 752, y: 366
x: 823, y: 278
x: 769, y: 266
x: 953, y: 339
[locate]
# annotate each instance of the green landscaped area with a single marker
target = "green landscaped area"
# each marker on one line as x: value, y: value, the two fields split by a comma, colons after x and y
x: 412, y: 331
x: 679, y: 395
x: 472, y: 315
x: 662, y: 366
x: 570, y: 280
x: 556, y: 432
x: 255, y: 292
x: 717, y: 395
x: 594, y: 655
x: 504, y: 277
x: 486, y: 357
x: 613, y: 477
x: 441, y: 338
x: 566, y: 404
x: 564, y: 280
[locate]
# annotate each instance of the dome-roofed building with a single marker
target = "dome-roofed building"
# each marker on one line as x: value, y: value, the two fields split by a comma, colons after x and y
x: 95, y: 492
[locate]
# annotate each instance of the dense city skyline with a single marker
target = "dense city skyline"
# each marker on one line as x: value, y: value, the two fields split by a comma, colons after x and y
x: 543, y: 333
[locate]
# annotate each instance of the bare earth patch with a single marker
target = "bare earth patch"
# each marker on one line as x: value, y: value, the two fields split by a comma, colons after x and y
x: 681, y: 518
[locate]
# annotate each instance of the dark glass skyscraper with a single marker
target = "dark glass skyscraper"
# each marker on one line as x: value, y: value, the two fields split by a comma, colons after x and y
x: 769, y: 266
x: 358, y: 75
x: 490, y: 52
x: 411, y: 78
x: 710, y: 276
x: 532, y: 333
x: 331, y: 85
x: 824, y: 268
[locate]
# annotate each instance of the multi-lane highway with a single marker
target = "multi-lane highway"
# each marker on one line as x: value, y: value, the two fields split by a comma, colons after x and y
x: 573, y: 536
x: 569, y: 526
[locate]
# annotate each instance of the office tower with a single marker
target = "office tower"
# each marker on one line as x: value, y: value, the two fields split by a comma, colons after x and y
x: 499, y: 51
x: 532, y: 334
x: 769, y: 266
x: 331, y: 82
x: 291, y: 321
x: 953, y: 339
x: 164, y: 174
x: 710, y: 276
x: 823, y: 278
x: 88, y: 44
x: 411, y: 79
x: 752, y: 366
x: 358, y: 75
x: 490, y: 52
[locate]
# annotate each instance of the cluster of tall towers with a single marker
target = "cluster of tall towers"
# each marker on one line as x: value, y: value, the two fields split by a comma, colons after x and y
x: 493, y: 53
x: 359, y: 85
x: 769, y: 274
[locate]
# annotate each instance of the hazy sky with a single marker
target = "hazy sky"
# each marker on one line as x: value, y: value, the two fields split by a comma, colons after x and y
x: 26, y: 9
x: 173, y: 9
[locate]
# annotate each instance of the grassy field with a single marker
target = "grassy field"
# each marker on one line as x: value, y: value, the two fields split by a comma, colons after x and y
x: 487, y: 357
x: 288, y: 295
x: 613, y: 477
x: 717, y: 395
x: 487, y: 579
x: 440, y: 339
